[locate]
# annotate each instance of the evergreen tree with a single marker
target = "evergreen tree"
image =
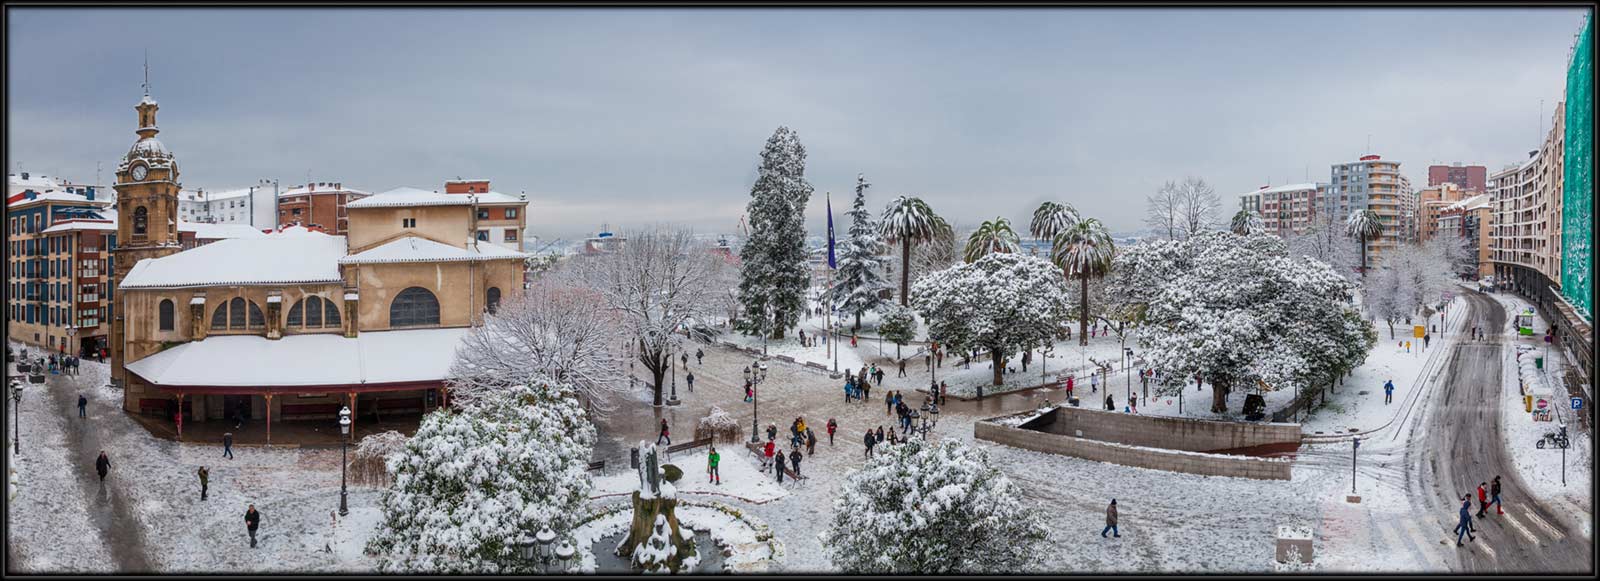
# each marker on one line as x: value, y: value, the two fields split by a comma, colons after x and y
x: 775, y: 274
x: 861, y: 262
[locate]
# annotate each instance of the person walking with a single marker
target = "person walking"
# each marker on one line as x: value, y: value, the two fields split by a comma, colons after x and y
x: 712, y: 476
x: 877, y: 374
x: 685, y: 359
x: 227, y: 445
x: 888, y: 403
x: 252, y: 521
x: 865, y: 389
x: 938, y: 357
x: 1133, y: 402
x: 849, y: 387
x: 869, y: 441
x: 749, y: 391
x: 772, y: 431
x: 1110, y: 405
x: 1494, y: 495
x: 205, y: 481
x: 102, y: 465
x: 1094, y: 383
x: 690, y: 380
x: 767, y: 452
x: 779, y: 467
x: 1426, y: 338
x: 833, y: 425
x: 927, y: 360
x: 880, y: 434
x: 794, y: 461
x: 811, y: 442
x: 699, y: 357
x: 1388, y: 392
x: 1483, y: 498
x: 902, y: 368
x: 1111, y: 521
x: 1464, y: 525
x: 83, y: 406
x: 944, y: 390
x: 666, y: 433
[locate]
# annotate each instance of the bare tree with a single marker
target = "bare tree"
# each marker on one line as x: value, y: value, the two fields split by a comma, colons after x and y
x: 554, y: 333
x: 1198, y: 206
x: 657, y: 285
x: 1324, y: 241
x: 1163, y: 211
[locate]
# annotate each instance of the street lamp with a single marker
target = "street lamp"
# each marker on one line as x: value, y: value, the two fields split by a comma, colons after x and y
x: 565, y: 553
x: 344, y: 459
x: 674, y: 399
x: 1354, y: 445
x: 524, y: 546
x: 545, y: 538
x: 16, y: 401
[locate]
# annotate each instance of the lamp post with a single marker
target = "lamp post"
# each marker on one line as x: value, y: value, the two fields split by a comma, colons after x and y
x: 344, y: 459
x: 671, y: 401
x: 16, y: 402
x: 545, y: 538
x: 565, y: 553
x: 1354, y: 445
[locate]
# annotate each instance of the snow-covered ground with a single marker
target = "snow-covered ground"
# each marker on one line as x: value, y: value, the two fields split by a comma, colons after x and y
x: 740, y: 478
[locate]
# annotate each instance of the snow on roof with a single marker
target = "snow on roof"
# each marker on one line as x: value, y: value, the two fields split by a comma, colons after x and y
x: 415, y: 249
x: 287, y: 257
x: 322, y: 359
x: 220, y: 231
x: 58, y: 197
x: 1284, y: 188
x: 399, y: 197
x: 322, y: 188
x: 70, y: 225
x: 32, y: 181
x: 1472, y: 203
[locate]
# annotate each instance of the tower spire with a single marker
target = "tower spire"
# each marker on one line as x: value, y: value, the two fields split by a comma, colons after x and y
x: 146, y: 72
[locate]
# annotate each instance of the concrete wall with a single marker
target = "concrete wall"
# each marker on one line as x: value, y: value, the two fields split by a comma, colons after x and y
x: 1161, y: 432
x: 1139, y: 457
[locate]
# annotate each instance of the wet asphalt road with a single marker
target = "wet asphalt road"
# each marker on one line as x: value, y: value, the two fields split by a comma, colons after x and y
x: 108, y: 509
x: 1463, y: 447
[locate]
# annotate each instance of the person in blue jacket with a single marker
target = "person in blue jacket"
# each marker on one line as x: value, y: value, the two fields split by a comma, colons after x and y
x: 1388, y: 392
x: 1465, y: 526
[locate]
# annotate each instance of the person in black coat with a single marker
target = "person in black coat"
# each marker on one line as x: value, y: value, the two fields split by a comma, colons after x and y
x: 794, y: 460
x: 83, y: 406
x: 778, y: 465
x: 102, y: 465
x: 252, y: 520
x: 870, y: 441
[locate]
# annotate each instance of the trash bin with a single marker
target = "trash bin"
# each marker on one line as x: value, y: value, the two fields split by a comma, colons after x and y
x: 1538, y: 363
x: 633, y: 458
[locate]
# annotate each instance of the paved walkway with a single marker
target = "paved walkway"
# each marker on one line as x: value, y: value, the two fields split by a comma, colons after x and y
x: 116, y: 522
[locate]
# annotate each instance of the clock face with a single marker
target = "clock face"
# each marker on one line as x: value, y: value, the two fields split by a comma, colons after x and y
x: 139, y: 172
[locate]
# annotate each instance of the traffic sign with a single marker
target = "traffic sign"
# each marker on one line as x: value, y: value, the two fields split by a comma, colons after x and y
x: 1577, y: 403
x: 1541, y: 403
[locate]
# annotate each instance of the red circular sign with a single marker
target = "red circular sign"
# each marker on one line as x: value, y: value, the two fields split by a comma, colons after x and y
x: 1542, y: 404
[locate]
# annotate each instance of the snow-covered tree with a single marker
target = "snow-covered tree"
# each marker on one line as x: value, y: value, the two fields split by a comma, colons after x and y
x: 1245, y: 221
x: 992, y: 236
x: 1458, y: 253
x: 1163, y: 210
x: 1364, y: 226
x: 774, y: 270
x: 897, y: 325
x: 859, y: 281
x: 1324, y: 241
x: 909, y: 221
x: 933, y: 509
x: 539, y: 264
x: 1002, y: 304
x: 1411, y: 277
x: 1180, y: 210
x: 656, y: 285
x: 1239, y: 311
x: 555, y: 332
x: 478, y: 475
x: 1083, y: 251
x: 939, y: 253
x: 369, y: 462
x: 1052, y: 218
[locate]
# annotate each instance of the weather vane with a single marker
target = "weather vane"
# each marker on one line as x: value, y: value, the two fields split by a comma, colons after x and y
x: 146, y: 72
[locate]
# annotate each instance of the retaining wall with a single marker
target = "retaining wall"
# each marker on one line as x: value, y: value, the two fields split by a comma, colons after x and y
x: 1187, y: 434
x: 1136, y: 456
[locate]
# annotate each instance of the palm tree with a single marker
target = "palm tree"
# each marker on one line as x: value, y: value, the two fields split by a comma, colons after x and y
x: 992, y: 236
x: 1084, y: 251
x: 1052, y: 219
x: 1245, y: 222
x: 908, y: 221
x: 1364, y: 225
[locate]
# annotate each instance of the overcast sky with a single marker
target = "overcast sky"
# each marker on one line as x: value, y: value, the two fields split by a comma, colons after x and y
x: 632, y: 116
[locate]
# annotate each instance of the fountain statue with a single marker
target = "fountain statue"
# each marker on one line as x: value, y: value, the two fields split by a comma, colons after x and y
x: 655, y: 543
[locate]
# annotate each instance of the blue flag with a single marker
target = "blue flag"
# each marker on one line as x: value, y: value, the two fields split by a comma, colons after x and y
x: 831, y: 263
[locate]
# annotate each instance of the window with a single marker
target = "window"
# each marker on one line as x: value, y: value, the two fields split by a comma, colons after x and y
x: 166, y: 314
x: 483, y: 235
x: 483, y: 214
x: 230, y: 316
x: 414, y: 306
x: 511, y: 234
x: 511, y: 213
x: 314, y: 312
x: 141, y: 219
x: 408, y: 222
x: 296, y: 211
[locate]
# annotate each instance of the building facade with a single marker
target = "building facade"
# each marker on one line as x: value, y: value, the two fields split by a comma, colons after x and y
x: 1288, y: 209
x: 1372, y: 183
x: 253, y: 206
x: 49, y: 302
x: 318, y: 205
x: 1431, y: 201
x: 1473, y: 179
x: 1472, y: 220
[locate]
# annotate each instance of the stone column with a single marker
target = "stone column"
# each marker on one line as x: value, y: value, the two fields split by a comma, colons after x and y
x: 197, y: 317
x: 352, y: 304
x: 274, y: 308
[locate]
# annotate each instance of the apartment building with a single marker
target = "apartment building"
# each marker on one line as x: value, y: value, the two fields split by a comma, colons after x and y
x: 1287, y: 209
x: 1376, y: 184
x: 318, y: 205
x: 253, y: 206
x: 1471, y: 178
x: 1472, y: 219
x: 1431, y: 201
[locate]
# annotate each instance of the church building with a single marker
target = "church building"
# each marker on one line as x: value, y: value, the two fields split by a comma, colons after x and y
x: 295, y: 324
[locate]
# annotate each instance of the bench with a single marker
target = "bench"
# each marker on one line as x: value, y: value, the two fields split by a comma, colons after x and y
x: 690, y: 445
x: 597, y: 466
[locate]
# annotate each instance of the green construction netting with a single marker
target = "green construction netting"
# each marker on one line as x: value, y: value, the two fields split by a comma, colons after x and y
x: 1577, y: 205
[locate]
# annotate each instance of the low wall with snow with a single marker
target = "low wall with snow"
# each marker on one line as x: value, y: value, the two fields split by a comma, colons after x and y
x: 1188, y: 434
x: 1136, y: 456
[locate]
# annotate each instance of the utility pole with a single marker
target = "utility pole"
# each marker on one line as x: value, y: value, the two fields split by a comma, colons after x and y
x: 1354, y: 445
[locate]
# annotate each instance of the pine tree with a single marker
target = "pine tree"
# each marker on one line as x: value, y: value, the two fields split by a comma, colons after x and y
x: 860, y: 276
x: 775, y: 273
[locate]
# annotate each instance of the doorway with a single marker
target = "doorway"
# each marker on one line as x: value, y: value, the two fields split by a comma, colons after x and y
x: 236, y: 406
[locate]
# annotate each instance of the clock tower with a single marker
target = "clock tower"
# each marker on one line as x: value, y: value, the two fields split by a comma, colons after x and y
x: 147, y: 217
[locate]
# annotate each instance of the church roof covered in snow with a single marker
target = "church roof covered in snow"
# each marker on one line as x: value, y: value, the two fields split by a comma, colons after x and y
x: 321, y: 360
x: 292, y: 256
x: 401, y: 197
x: 415, y: 249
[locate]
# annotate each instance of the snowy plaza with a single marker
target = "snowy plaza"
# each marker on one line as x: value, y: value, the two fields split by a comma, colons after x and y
x: 880, y: 292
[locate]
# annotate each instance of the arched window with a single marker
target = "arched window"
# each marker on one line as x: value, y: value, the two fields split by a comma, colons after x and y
x: 219, y: 319
x: 141, y: 219
x: 314, y: 312
x: 414, y: 306
x: 238, y: 315
x: 332, y: 319
x: 257, y: 319
x: 296, y: 314
x: 492, y: 301
x: 166, y: 314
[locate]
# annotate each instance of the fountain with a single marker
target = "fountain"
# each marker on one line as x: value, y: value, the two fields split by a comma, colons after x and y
x: 654, y: 541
